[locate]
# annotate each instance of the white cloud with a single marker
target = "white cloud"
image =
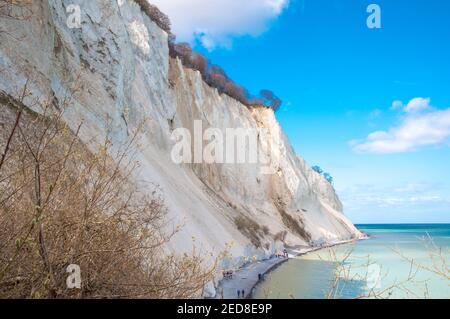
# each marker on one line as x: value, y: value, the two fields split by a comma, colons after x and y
x: 416, y: 188
x: 397, y: 105
x: 215, y: 22
x: 416, y: 129
x: 418, y: 104
x: 404, y: 196
x: 415, y: 105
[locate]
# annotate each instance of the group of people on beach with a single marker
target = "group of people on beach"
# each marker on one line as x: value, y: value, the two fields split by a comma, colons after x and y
x: 283, y: 254
x: 227, y: 274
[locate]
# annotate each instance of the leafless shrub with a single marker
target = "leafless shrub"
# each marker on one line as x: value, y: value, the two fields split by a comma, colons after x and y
x: 346, y: 272
x: 270, y: 99
x: 437, y: 255
x: 152, y: 11
x: 213, y: 75
x: 216, y: 77
x: 62, y: 204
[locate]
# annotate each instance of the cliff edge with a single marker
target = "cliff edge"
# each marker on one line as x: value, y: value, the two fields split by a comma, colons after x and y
x: 120, y: 59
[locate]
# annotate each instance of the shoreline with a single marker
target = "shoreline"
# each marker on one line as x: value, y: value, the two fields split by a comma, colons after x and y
x: 247, y: 279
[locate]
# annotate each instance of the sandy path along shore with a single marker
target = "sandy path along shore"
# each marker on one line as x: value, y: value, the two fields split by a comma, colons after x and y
x: 247, y: 277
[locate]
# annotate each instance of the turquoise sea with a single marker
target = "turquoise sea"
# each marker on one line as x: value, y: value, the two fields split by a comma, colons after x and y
x: 398, y: 261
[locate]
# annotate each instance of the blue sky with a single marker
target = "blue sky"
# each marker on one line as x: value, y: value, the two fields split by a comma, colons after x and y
x: 339, y: 80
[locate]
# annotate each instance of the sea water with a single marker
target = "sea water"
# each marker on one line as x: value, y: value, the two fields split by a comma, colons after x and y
x: 398, y: 261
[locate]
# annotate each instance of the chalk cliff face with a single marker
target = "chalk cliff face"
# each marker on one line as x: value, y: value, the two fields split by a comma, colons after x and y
x: 117, y: 70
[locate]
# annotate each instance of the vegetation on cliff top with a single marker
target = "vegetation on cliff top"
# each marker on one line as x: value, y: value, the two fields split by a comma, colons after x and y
x: 212, y: 74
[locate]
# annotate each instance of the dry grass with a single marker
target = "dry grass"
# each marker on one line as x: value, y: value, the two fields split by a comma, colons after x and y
x: 15, y: 9
x: 296, y: 226
x: 280, y: 236
x: 251, y: 229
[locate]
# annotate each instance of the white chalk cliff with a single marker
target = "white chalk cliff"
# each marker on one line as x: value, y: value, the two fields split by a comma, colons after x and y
x: 121, y: 60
